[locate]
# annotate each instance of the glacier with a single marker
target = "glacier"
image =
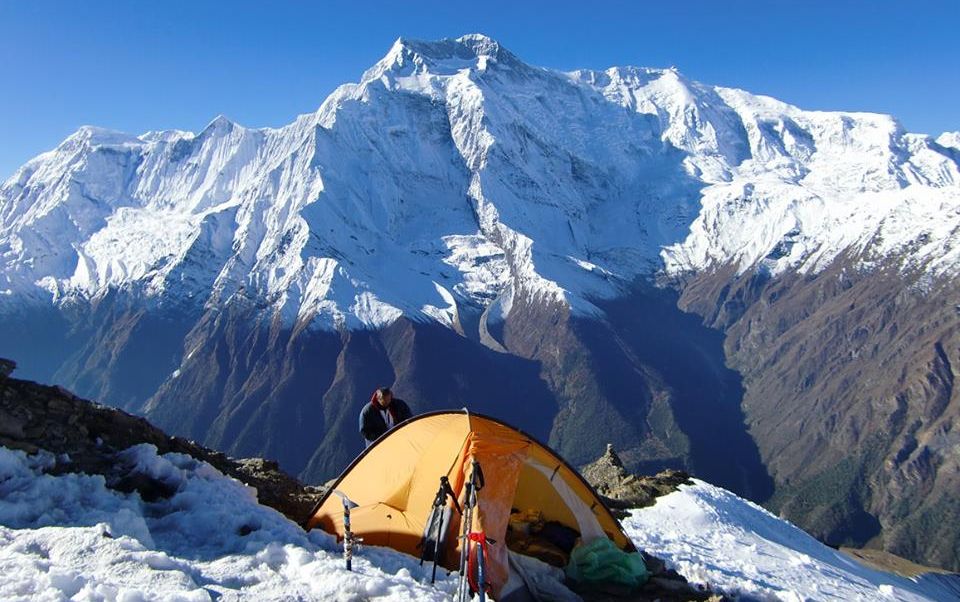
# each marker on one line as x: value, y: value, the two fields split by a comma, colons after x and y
x: 456, y: 178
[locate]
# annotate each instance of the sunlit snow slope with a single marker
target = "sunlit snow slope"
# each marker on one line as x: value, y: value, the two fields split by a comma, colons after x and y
x: 715, y: 538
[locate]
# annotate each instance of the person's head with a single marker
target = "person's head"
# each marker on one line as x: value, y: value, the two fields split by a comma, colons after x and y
x: 384, y: 397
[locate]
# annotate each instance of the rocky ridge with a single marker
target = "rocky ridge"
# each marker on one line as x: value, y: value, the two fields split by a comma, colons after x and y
x: 87, y: 438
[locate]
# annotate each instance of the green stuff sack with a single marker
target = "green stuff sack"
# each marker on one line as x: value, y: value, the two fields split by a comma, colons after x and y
x: 602, y: 562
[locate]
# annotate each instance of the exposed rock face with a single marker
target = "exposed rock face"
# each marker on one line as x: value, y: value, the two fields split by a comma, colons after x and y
x: 34, y: 417
x: 606, y: 472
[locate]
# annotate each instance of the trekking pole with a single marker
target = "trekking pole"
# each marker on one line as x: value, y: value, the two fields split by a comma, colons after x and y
x: 477, y: 478
x: 481, y: 539
x: 467, y: 520
x: 481, y: 573
x: 349, y: 540
x: 439, y: 502
x: 474, y: 485
x: 447, y: 491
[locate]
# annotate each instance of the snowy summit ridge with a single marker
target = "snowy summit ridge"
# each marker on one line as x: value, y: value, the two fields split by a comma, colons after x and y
x: 454, y: 177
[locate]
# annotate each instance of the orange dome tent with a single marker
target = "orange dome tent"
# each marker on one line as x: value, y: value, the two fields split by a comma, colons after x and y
x: 394, y: 483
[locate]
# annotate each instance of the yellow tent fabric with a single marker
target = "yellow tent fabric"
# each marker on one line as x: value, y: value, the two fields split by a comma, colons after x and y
x: 395, y: 480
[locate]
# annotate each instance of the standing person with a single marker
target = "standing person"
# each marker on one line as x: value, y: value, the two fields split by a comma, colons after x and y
x: 382, y: 414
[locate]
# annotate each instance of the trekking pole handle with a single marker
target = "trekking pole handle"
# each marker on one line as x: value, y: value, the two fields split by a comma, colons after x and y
x: 477, y: 476
x: 448, y: 490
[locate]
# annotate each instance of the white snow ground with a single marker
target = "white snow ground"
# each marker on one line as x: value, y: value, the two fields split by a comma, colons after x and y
x: 713, y: 537
x: 69, y: 537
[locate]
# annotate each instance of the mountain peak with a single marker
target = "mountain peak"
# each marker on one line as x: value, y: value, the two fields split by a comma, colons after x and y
x: 481, y: 44
x: 220, y: 123
x: 441, y: 57
x: 949, y: 140
x: 97, y: 135
x: 470, y: 46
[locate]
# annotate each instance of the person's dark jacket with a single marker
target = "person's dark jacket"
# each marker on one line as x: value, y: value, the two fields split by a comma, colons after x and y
x: 372, y: 424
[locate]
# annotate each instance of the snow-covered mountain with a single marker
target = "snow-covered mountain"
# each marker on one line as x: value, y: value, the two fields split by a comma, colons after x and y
x: 455, y: 175
x: 473, y: 230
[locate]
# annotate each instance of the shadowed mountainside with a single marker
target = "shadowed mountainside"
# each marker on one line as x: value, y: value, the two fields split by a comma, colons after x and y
x: 850, y: 398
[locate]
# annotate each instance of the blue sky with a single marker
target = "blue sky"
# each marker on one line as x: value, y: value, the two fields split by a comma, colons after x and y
x: 138, y: 66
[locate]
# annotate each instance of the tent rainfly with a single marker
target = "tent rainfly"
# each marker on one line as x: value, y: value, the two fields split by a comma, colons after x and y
x: 394, y: 483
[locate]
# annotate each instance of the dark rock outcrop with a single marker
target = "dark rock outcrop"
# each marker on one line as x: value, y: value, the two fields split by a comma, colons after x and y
x: 622, y: 490
x: 35, y: 417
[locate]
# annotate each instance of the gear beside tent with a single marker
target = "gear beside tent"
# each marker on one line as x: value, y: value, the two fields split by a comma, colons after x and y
x: 533, y: 503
